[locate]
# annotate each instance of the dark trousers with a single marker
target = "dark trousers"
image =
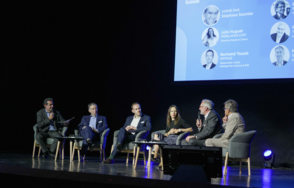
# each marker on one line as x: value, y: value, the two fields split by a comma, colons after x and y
x: 42, y: 137
x: 123, y: 137
x: 193, y: 142
x: 88, y: 133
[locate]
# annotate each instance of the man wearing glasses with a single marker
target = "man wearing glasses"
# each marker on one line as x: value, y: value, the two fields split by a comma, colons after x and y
x: 233, y: 123
x: 280, y: 9
x: 210, y: 126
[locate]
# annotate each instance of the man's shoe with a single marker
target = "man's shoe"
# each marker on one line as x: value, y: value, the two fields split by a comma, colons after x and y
x: 45, y: 155
x: 155, y: 159
x: 108, y: 161
x: 119, y: 147
x: 51, y: 154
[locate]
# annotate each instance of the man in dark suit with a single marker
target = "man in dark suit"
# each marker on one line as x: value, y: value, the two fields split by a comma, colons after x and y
x: 279, y: 52
x: 209, y: 57
x: 133, y: 125
x: 280, y: 36
x: 91, y: 128
x: 210, y: 126
x: 49, y: 120
x: 280, y: 9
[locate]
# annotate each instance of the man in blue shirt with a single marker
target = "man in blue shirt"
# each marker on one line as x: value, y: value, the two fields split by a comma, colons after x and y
x: 49, y: 120
x: 91, y: 128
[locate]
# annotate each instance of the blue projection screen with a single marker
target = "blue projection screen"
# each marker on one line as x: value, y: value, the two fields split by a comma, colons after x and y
x: 234, y: 40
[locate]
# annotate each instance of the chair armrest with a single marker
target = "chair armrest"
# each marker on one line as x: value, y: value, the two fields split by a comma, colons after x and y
x: 35, y: 128
x: 141, y: 135
x: 152, y: 134
x: 218, y: 135
x: 76, y: 131
x: 181, y: 137
x: 115, y: 135
x: 104, y: 138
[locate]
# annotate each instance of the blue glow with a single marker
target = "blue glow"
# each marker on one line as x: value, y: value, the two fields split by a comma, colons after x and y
x: 267, y: 153
x: 147, y: 147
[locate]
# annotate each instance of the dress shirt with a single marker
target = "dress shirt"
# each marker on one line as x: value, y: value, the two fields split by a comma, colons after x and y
x: 51, y: 126
x: 135, y: 122
x: 92, y: 123
x: 208, y: 65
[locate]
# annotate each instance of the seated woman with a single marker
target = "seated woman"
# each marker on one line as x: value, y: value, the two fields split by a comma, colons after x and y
x: 209, y: 39
x: 175, y: 125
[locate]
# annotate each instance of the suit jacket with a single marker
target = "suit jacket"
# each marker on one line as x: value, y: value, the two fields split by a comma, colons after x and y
x: 283, y: 16
x: 212, y: 66
x: 143, y: 125
x: 212, y: 126
x: 235, y: 125
x: 44, y: 122
x: 284, y: 63
x: 283, y: 39
x: 101, y: 123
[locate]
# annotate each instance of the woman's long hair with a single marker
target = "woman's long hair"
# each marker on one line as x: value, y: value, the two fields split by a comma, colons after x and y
x: 168, y: 117
x: 208, y: 34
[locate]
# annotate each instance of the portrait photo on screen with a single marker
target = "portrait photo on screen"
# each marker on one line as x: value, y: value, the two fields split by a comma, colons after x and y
x: 280, y: 9
x: 279, y: 55
x: 210, y: 37
x: 209, y: 59
x: 211, y: 15
x: 280, y: 32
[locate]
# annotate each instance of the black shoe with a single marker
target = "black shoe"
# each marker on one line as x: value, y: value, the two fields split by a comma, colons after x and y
x: 119, y: 147
x: 155, y: 159
x: 90, y: 143
x: 51, y: 154
x: 45, y: 155
x: 108, y: 161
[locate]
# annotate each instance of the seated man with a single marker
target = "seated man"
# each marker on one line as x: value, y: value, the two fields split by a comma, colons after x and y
x: 49, y: 121
x: 233, y: 123
x: 133, y: 125
x: 211, y: 124
x: 91, y: 128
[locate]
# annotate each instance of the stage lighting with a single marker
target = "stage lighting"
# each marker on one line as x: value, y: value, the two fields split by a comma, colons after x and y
x: 268, y: 157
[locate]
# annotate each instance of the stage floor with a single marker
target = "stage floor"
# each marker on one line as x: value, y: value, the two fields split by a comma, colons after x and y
x: 260, y: 177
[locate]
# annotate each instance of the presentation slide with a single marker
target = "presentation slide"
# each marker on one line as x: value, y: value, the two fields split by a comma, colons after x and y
x: 234, y: 40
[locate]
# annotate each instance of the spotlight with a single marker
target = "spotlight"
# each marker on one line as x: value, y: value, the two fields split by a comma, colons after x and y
x: 147, y: 147
x: 268, y: 157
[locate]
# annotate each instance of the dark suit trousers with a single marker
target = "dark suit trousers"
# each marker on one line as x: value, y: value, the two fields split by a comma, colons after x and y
x: 88, y: 133
x: 123, y: 137
x: 42, y: 137
x: 193, y: 142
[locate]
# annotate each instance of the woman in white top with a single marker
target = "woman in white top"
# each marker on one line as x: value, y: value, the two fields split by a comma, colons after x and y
x: 209, y: 39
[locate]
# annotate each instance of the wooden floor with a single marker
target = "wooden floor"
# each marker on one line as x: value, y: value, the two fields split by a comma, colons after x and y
x: 266, y: 178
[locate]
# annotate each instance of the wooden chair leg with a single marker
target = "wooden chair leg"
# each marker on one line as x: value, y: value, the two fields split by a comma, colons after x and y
x: 79, y: 156
x: 57, y: 148
x: 111, y: 149
x: 34, y: 149
x: 226, y: 163
x: 149, y: 158
x: 39, y: 152
x: 249, y: 166
x: 73, y: 152
x: 63, y: 152
x: 144, y: 158
x: 240, y: 168
x: 137, y: 154
x: 128, y: 154
x: 134, y: 155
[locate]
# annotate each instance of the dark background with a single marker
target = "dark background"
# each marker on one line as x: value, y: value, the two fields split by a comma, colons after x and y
x: 115, y: 53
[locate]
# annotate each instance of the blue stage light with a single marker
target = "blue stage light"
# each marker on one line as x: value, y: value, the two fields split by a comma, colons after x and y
x: 267, y: 153
x: 268, y: 157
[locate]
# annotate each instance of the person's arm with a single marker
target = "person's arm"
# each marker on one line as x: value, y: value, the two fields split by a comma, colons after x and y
x: 146, y: 126
x: 104, y: 125
x: 185, y: 127
x: 208, y: 129
x: 41, y: 121
x: 230, y: 127
x: 82, y: 123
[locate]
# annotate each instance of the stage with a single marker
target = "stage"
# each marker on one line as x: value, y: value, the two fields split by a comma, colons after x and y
x: 92, y: 171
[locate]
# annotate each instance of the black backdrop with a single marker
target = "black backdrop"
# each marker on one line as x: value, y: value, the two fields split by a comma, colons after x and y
x: 114, y: 53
